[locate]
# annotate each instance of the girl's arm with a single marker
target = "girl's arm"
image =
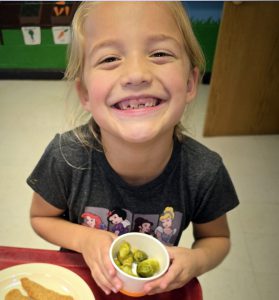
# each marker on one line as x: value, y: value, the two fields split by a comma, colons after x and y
x: 92, y: 243
x: 212, y: 244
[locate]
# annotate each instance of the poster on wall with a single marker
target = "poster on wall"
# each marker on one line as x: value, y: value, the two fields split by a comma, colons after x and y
x: 31, y: 35
x: 61, y: 34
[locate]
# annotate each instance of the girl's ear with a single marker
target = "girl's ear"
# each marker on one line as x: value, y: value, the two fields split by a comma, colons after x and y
x: 82, y: 93
x: 192, y: 84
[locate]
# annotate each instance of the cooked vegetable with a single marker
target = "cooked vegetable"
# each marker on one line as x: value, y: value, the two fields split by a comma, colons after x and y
x: 148, y: 267
x: 139, y: 256
x: 128, y: 261
x: 117, y: 262
x: 127, y: 258
x: 128, y: 270
x: 124, y: 251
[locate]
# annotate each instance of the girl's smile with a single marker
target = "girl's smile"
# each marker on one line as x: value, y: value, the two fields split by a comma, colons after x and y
x: 140, y: 106
x: 139, y: 102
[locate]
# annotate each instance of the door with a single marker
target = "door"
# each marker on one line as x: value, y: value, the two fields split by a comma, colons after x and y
x: 244, y: 89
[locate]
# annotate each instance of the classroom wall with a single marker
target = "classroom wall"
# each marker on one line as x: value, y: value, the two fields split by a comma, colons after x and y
x: 48, y: 56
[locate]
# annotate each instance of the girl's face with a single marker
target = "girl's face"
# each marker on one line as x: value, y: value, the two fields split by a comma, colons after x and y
x: 137, y: 78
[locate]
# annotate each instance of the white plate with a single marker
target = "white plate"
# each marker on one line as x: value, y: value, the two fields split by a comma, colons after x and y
x: 56, y: 278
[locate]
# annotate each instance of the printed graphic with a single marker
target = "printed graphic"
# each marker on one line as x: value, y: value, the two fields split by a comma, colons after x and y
x: 165, y: 231
x: 118, y: 218
x: 165, y: 227
x: 61, y: 34
x: 61, y: 8
x: 31, y: 35
x: 93, y: 221
x: 144, y: 224
x: 93, y: 217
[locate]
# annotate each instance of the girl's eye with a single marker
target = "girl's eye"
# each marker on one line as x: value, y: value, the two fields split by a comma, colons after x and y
x: 109, y: 59
x: 162, y: 57
x: 161, y: 54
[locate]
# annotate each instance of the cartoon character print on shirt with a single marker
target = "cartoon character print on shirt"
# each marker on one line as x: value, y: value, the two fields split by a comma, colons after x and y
x: 118, y: 218
x: 166, y: 232
x: 93, y: 221
x: 165, y: 227
x: 93, y: 217
x: 143, y: 225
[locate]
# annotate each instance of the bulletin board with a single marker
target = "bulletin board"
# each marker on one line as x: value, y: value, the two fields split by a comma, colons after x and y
x: 34, y: 36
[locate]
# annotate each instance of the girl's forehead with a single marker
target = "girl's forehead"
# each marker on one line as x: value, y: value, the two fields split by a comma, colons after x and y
x: 126, y: 16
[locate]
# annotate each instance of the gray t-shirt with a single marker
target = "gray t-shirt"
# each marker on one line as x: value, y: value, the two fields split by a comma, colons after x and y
x: 194, y: 187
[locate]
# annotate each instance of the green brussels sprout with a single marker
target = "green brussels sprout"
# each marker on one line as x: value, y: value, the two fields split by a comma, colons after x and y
x: 117, y: 262
x: 128, y: 261
x: 124, y: 251
x: 139, y: 256
x: 148, y: 267
x: 128, y: 270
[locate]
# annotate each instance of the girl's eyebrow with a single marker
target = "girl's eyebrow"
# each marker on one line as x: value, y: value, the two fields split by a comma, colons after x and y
x: 161, y: 38
x: 104, y: 44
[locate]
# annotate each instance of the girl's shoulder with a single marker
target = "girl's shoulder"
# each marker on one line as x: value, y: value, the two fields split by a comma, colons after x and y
x: 198, y: 157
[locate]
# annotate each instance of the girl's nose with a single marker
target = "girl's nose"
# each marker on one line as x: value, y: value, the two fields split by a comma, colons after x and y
x: 136, y: 74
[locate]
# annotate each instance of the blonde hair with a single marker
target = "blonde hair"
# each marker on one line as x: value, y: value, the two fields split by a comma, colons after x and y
x: 167, y: 214
x: 75, y: 65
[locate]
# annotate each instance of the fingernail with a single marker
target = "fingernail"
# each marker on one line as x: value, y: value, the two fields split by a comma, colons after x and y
x: 147, y: 289
x: 107, y: 292
x: 118, y: 286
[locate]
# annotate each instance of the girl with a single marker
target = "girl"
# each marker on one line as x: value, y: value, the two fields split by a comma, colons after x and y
x: 136, y: 66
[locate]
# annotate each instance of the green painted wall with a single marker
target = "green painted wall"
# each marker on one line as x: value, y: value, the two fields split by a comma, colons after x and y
x: 207, y: 33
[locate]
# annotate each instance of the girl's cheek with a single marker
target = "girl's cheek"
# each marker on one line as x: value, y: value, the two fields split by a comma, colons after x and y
x: 98, y: 89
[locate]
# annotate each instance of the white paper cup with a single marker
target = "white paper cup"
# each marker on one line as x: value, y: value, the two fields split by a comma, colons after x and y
x: 133, y: 286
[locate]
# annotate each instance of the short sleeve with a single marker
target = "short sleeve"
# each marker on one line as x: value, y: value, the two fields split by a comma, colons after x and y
x: 51, y: 176
x: 217, y: 197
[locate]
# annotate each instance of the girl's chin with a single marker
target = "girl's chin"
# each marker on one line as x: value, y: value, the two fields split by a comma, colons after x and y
x: 137, y: 133
x: 144, y: 134
x: 138, y: 137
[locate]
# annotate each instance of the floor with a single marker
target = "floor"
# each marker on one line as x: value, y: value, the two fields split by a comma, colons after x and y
x: 31, y: 112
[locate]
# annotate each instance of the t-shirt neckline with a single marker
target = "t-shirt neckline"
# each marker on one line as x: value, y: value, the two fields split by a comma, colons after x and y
x: 117, y: 180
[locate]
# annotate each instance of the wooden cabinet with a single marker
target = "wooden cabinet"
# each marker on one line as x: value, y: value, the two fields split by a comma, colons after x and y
x: 244, y: 92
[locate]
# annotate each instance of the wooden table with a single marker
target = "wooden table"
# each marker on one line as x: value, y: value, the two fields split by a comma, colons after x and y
x: 11, y: 256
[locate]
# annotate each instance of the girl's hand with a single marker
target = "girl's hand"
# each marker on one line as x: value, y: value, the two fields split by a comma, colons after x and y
x: 212, y: 244
x: 94, y: 246
x: 182, y: 270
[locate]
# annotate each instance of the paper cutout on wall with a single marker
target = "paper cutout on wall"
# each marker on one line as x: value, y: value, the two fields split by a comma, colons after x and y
x: 31, y: 35
x: 61, y: 8
x: 61, y: 34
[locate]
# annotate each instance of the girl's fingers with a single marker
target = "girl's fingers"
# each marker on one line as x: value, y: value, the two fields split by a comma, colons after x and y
x: 102, y: 281
x: 163, y: 284
x: 112, y: 277
x: 105, y: 275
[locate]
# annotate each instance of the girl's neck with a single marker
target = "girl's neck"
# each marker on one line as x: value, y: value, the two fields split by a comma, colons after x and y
x: 138, y: 163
